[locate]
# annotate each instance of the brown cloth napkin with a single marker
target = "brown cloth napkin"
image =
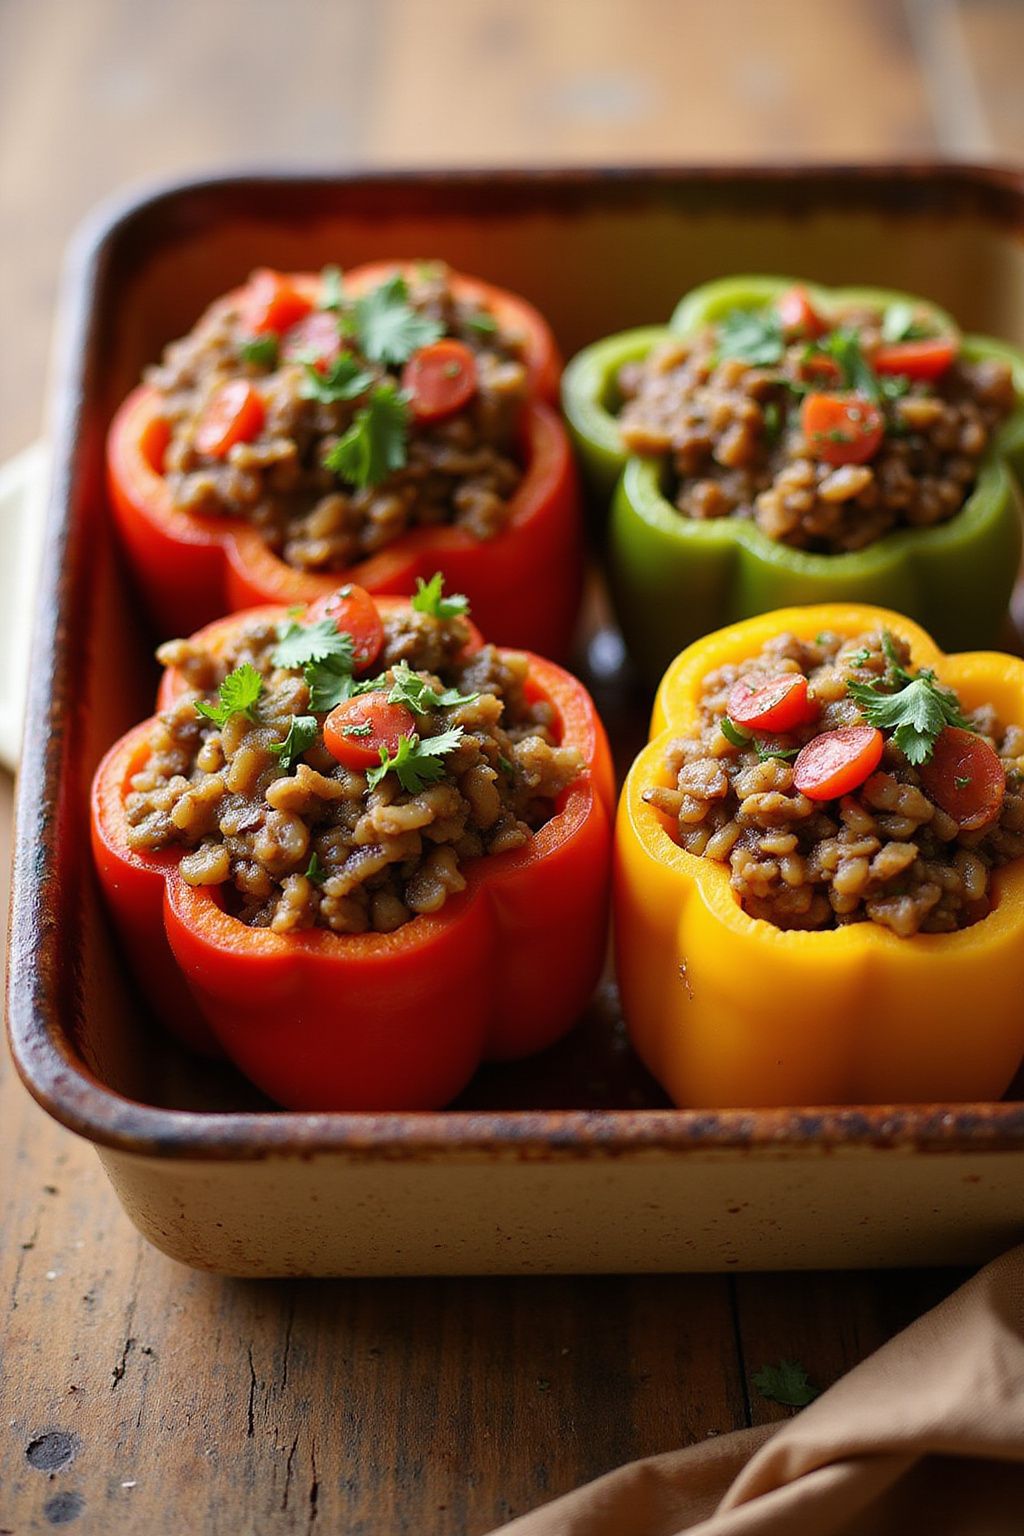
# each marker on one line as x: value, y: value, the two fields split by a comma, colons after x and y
x: 924, y: 1438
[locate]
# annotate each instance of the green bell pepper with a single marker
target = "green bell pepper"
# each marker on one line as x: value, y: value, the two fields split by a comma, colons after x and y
x: 674, y: 578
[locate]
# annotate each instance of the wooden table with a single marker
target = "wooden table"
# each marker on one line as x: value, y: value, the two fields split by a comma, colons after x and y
x: 135, y: 1395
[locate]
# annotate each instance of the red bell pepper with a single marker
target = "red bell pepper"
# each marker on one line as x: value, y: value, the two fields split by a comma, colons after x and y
x: 524, y: 584
x: 376, y: 1021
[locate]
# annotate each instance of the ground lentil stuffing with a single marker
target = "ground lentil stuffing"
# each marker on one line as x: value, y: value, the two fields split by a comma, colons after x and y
x: 732, y: 433
x: 316, y: 847
x: 463, y: 469
x: 885, y: 853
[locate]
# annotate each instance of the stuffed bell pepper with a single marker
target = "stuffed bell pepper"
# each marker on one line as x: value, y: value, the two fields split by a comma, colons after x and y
x: 785, y: 443
x: 359, y: 850
x: 374, y: 427
x: 819, y: 889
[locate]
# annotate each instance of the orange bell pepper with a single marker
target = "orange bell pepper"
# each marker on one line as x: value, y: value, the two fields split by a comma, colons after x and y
x: 393, y: 1021
x: 192, y: 568
x: 729, y: 1011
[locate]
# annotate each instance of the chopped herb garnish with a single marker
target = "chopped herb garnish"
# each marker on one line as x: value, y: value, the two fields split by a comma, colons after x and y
x: 900, y: 323
x: 481, y: 321
x: 316, y: 871
x: 894, y: 386
x: 961, y: 780
x: 733, y: 734
x: 299, y: 644
x: 858, y: 658
x: 916, y: 712
x: 389, y: 329
x: 772, y: 420
x: 261, y: 351
x: 238, y: 694
x: 786, y: 1383
x: 429, y: 598
x: 766, y: 749
x: 416, y: 760
x: 752, y: 335
x: 415, y: 692
x: 506, y: 765
x: 844, y: 346
x: 332, y: 294
x: 823, y: 637
x: 375, y: 444
x: 343, y: 380
x: 302, y: 732
x: 365, y: 729
x: 331, y: 682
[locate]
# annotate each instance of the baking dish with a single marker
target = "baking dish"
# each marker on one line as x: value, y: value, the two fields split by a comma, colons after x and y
x: 572, y: 1162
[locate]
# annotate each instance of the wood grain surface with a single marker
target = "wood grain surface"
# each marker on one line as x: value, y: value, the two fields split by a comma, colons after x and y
x: 137, y: 1396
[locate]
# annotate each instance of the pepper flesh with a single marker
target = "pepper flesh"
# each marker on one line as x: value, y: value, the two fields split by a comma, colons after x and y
x: 375, y: 1021
x: 729, y: 1011
x: 674, y: 578
x: 192, y: 568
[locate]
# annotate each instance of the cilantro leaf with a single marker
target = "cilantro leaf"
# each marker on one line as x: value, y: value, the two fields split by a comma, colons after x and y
x: 388, y: 328
x: 299, y: 644
x: 752, y: 335
x: 415, y: 692
x: 330, y: 683
x: 482, y: 322
x: 315, y: 870
x: 332, y: 294
x: 375, y: 444
x: 238, y: 694
x: 343, y: 380
x: 302, y: 732
x: 767, y: 749
x: 844, y: 346
x: 260, y: 351
x: 915, y: 714
x: 900, y: 323
x: 786, y: 1383
x: 733, y: 734
x: 416, y: 759
x: 428, y: 598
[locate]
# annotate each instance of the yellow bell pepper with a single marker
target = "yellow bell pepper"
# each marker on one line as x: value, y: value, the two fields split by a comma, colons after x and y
x: 728, y: 1011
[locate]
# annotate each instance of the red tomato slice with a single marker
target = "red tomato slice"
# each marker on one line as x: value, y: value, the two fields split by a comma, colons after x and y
x: 347, y: 738
x: 966, y: 778
x: 927, y: 359
x: 778, y: 704
x: 440, y: 379
x: 842, y: 429
x: 314, y: 339
x: 272, y: 302
x: 234, y: 414
x: 354, y: 613
x: 798, y: 315
x: 838, y: 762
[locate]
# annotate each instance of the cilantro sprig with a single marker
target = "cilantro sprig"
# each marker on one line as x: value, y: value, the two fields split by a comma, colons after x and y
x: 914, y: 708
x: 345, y: 379
x: 900, y: 322
x: 415, y: 692
x: 237, y: 695
x: 753, y: 336
x: 416, y: 759
x: 261, y: 351
x: 302, y: 732
x: 300, y: 644
x: 315, y: 869
x: 786, y: 1383
x: 388, y: 328
x: 375, y: 444
x: 429, y: 598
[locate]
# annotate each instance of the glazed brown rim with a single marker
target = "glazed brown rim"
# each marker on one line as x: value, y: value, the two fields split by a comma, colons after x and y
x: 43, y: 1053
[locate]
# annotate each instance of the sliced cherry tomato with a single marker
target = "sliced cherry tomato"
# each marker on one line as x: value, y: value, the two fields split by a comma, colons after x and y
x: 355, y: 732
x: 842, y: 429
x: 798, y: 315
x: 271, y: 302
x: 234, y: 414
x: 965, y: 777
x: 777, y: 704
x: 927, y: 359
x: 838, y: 762
x: 314, y: 338
x: 440, y: 379
x: 354, y: 613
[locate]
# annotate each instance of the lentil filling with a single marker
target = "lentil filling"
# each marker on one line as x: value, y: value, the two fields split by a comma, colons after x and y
x: 884, y: 850
x: 298, y: 839
x: 325, y: 433
x: 812, y: 432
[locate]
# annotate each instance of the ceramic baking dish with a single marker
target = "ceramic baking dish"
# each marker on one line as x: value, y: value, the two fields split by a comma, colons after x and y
x: 572, y: 1162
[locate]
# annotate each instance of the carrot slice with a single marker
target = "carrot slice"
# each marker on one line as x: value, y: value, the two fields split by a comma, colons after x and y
x: 842, y: 428
x: 440, y: 379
